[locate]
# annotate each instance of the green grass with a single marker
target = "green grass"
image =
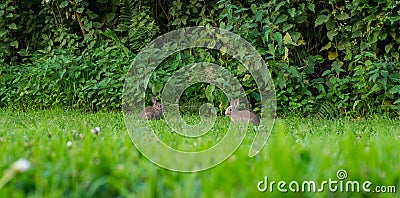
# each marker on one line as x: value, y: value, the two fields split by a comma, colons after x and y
x: 109, y: 165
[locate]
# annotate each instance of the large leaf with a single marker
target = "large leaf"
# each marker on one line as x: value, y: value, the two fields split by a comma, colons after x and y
x: 321, y: 19
x: 282, y: 18
x: 3, y: 32
x: 331, y: 34
x: 209, y: 92
x: 311, y: 7
x: 287, y: 39
x: 12, y: 26
x: 278, y: 38
x: 286, y: 27
x: 342, y: 16
x: 64, y: 4
x: 291, y: 12
x: 326, y: 47
x: 332, y: 55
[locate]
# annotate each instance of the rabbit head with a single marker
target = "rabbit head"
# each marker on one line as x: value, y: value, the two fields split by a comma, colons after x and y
x: 152, y: 112
x: 232, y: 107
x: 241, y: 116
x: 157, y: 105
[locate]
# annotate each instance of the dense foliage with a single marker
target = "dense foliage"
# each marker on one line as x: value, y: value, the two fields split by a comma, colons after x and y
x: 326, y: 58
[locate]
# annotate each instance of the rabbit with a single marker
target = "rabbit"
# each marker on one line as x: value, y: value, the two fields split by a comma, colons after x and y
x: 241, y: 116
x: 152, y: 112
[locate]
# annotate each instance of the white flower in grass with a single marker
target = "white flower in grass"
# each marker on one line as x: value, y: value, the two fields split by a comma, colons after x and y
x: 21, y: 165
x: 69, y: 144
x: 18, y: 166
x: 95, y: 130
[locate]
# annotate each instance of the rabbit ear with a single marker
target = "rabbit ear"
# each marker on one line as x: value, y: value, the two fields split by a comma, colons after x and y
x: 232, y: 102
x: 235, y: 102
x: 153, y: 100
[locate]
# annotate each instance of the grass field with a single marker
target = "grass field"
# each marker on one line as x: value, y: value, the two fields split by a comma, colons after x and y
x: 67, y: 160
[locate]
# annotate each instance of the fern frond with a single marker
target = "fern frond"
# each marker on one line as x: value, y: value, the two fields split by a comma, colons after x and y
x: 326, y: 110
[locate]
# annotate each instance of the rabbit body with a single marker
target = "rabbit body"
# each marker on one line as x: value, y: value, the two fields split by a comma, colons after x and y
x: 152, y: 112
x: 241, y: 116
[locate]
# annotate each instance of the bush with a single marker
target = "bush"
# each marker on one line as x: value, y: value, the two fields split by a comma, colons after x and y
x: 90, y: 82
x: 338, y: 55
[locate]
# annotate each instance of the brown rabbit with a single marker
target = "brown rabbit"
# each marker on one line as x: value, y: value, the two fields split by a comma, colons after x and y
x: 152, y: 112
x: 241, y: 116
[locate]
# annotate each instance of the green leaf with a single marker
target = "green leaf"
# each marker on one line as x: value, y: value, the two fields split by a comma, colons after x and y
x: 281, y: 18
x: 394, y: 19
x: 241, y: 69
x: 388, y: 47
x: 64, y: 4
x: 184, y: 19
x: 330, y: 24
x: 14, y: 44
x: 253, y: 8
x: 355, y: 104
x: 331, y: 34
x: 326, y: 47
x: 10, y: 8
x: 343, y: 16
x: 301, y: 19
x: 383, y: 35
x: 222, y: 25
x: 110, y: 17
x: 209, y: 92
x: 368, y: 54
x: 295, y: 36
x: 311, y: 7
x: 286, y: 27
x: 87, y: 26
x: 332, y: 55
x: 287, y: 39
x: 97, y: 25
x: 12, y: 26
x: 327, y: 72
x: 343, y: 44
x: 396, y: 55
x: 177, y: 21
x: 291, y: 12
x: 368, y: 63
x: 91, y: 15
x: 3, y: 32
x: 278, y: 38
x: 280, y: 5
x: 337, y: 66
x: 258, y: 16
x: 80, y: 10
x: 395, y: 89
x: 356, y: 33
x: 321, y: 19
